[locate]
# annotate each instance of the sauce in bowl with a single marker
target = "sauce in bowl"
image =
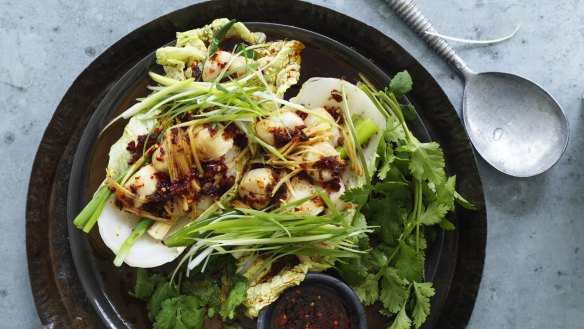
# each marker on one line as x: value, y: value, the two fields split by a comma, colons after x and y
x: 311, y: 306
x: 321, y: 301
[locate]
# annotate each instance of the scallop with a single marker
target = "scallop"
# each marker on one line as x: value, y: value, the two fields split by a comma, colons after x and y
x: 256, y: 187
x: 281, y: 125
x: 211, y: 144
x: 300, y: 190
x: 320, y: 116
x: 115, y: 226
x: 203, y: 204
x: 335, y: 196
x: 238, y: 62
x: 325, y: 92
x: 217, y: 62
x: 230, y: 159
x: 144, y: 182
x: 323, y: 171
x: 160, y: 160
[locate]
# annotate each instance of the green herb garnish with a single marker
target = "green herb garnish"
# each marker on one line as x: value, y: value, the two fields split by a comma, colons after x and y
x: 410, y: 195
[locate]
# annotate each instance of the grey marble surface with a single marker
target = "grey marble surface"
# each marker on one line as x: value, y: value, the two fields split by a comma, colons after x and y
x: 534, y: 265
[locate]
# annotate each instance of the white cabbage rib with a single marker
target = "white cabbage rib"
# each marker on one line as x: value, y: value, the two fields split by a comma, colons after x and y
x: 115, y: 227
x: 316, y: 92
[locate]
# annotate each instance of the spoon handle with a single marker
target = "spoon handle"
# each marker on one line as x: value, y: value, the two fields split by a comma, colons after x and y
x: 411, y: 14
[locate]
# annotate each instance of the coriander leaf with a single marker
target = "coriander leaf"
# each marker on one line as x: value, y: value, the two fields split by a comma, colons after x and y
x: 392, y: 203
x: 408, y: 111
x: 409, y: 264
x: 447, y: 225
x: 394, y: 292
x: 368, y: 292
x: 401, y: 84
x: 164, y: 291
x: 381, y: 147
x: 389, y: 215
x: 207, y: 292
x: 357, y: 195
x: 237, y: 295
x: 445, y: 192
x: 183, y: 312
x: 359, y: 221
x: 384, y: 169
x: 422, y: 243
x: 391, y: 229
x: 463, y: 202
x: 397, y: 191
x: 145, y: 283
x: 400, y: 168
x: 434, y: 213
x: 401, y: 321
x: 377, y: 258
x: 423, y: 292
x: 386, y: 157
x: 427, y: 162
x: 386, y: 313
x: 353, y: 272
x: 363, y: 242
x: 394, y: 131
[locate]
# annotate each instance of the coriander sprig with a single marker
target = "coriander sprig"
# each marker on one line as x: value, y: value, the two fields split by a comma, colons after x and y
x: 411, y: 193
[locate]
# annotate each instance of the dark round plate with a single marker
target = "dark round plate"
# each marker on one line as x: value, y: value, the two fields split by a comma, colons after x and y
x: 67, y: 280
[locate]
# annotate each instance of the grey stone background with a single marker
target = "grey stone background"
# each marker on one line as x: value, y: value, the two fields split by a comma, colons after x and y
x: 534, y: 264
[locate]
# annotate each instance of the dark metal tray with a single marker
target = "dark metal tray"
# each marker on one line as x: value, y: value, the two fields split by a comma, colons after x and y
x: 67, y: 288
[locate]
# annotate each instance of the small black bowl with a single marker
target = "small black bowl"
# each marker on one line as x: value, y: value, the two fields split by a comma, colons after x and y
x: 326, y: 283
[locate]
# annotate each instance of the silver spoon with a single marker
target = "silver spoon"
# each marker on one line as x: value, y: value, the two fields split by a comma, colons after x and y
x: 513, y: 123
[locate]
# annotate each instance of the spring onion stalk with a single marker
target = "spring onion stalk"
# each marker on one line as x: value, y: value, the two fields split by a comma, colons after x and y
x: 219, y: 35
x: 137, y: 232
x: 182, y: 237
x: 258, y: 222
x: 331, y: 241
x: 272, y: 233
x: 149, y: 101
x: 368, y: 88
x: 89, y: 210
x: 242, y: 50
x: 93, y: 219
x: 365, y: 129
x: 88, y: 216
x: 232, y: 104
x: 329, y: 204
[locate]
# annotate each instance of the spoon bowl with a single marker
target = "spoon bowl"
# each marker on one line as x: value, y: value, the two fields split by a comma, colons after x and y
x: 514, y: 124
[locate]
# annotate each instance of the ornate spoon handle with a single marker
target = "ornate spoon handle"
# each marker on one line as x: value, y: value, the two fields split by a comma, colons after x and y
x: 411, y: 14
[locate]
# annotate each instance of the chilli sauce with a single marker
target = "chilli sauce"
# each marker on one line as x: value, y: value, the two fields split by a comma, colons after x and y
x: 310, y: 307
